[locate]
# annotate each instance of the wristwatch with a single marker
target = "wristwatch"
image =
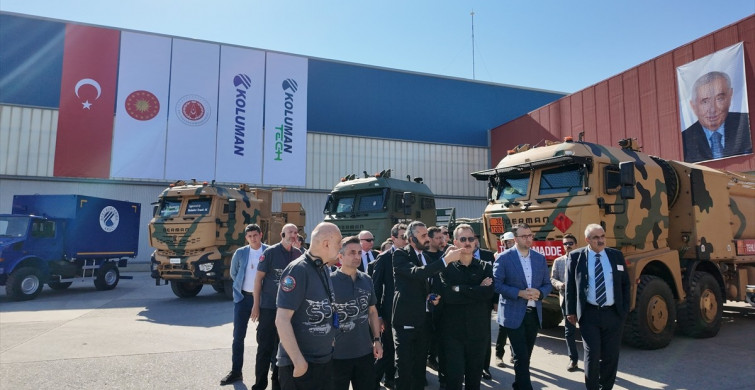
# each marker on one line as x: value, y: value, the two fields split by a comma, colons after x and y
x: 455, y: 288
x: 376, y: 339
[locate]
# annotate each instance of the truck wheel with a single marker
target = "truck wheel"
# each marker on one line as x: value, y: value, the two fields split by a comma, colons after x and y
x: 24, y: 284
x: 107, y: 277
x: 55, y: 285
x: 700, y: 316
x: 218, y: 287
x: 552, y: 315
x: 652, y: 322
x: 185, y: 289
x: 228, y: 288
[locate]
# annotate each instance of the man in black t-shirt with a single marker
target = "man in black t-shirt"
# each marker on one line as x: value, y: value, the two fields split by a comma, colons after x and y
x: 305, y: 317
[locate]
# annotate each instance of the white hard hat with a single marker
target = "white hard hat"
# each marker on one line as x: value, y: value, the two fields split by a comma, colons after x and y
x: 508, y: 236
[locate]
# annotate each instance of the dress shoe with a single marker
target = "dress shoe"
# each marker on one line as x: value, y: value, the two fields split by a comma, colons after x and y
x: 499, y: 362
x: 389, y: 384
x: 572, y: 366
x: 432, y: 364
x: 486, y: 375
x: 231, y: 377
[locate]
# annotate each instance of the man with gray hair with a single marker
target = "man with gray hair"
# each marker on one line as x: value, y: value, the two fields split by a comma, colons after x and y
x: 717, y: 133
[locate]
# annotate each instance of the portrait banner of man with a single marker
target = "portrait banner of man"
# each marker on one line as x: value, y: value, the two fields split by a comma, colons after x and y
x: 713, y: 104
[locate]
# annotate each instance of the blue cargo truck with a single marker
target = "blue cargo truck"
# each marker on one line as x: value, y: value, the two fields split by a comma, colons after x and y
x: 58, y: 239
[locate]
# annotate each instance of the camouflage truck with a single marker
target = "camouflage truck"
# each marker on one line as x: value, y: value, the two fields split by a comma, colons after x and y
x: 682, y: 227
x: 376, y: 203
x: 197, y: 227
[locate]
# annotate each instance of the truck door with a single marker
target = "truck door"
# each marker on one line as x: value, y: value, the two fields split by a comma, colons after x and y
x: 45, y: 240
x: 612, y: 207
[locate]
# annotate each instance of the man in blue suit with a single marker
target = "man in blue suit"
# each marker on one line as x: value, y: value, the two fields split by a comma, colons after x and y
x: 243, y: 269
x: 521, y: 278
x: 597, y: 296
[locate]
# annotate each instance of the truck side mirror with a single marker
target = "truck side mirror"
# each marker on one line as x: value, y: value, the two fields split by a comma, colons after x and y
x: 328, y: 204
x: 626, y: 171
x: 231, y: 206
x: 406, y: 200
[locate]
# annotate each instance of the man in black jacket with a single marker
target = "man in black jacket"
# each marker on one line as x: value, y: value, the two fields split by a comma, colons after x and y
x: 412, y: 275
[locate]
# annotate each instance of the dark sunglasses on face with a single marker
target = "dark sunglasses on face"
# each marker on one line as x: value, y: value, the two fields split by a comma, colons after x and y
x: 465, y: 239
x: 367, y: 239
x: 569, y: 244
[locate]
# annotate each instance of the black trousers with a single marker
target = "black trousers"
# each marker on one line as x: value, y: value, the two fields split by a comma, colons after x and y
x: 601, y: 335
x: 411, y: 354
x: 317, y: 377
x: 387, y: 364
x: 267, y: 348
x: 359, y: 372
x: 522, y: 343
x: 500, y: 342
x: 464, y: 359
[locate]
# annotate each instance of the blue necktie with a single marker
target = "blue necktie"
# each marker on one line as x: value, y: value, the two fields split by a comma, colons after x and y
x: 716, y: 147
x: 600, y: 282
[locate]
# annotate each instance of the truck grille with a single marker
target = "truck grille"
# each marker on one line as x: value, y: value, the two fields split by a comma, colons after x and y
x: 175, y: 240
x: 188, y: 253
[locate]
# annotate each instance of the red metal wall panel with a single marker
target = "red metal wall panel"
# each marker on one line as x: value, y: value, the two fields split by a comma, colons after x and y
x: 641, y: 103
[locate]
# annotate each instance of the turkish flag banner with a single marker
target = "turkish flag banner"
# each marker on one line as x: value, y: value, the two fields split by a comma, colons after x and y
x: 87, y: 102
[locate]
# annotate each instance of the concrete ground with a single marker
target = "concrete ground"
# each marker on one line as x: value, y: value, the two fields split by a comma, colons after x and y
x: 140, y: 336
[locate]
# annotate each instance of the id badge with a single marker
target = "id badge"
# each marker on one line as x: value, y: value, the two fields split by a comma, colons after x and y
x: 335, y: 320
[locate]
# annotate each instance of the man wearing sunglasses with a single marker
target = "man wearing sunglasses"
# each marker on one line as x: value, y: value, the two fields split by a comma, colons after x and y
x: 366, y: 239
x: 558, y: 280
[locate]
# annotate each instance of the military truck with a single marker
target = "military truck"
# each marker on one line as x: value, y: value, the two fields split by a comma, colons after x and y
x: 682, y: 227
x: 197, y: 227
x: 59, y: 239
x: 378, y: 202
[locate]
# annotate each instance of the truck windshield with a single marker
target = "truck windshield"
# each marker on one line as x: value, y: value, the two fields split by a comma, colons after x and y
x: 359, y: 202
x: 561, y: 180
x: 170, y: 207
x: 12, y: 226
x: 512, y: 186
x: 198, y: 206
x: 345, y: 205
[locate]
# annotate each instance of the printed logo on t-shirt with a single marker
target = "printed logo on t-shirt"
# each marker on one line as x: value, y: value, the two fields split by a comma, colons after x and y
x: 353, y: 311
x: 319, y: 314
x: 288, y: 283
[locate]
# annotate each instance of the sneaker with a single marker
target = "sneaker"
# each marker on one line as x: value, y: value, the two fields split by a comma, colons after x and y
x: 231, y: 377
x: 499, y: 362
x: 572, y: 366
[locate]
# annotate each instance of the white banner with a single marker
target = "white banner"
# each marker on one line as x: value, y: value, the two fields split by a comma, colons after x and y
x: 240, y: 110
x: 285, y: 120
x: 192, y: 122
x: 141, y: 113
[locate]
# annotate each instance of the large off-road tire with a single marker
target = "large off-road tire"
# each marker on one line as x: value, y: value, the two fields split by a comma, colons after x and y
x: 55, y: 285
x: 551, y: 317
x: 700, y: 316
x: 218, y: 287
x: 107, y: 277
x: 228, y: 289
x: 184, y: 289
x: 652, y: 322
x: 24, y: 284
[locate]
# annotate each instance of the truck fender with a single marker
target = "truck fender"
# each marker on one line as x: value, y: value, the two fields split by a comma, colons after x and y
x: 32, y: 261
x: 706, y: 266
x: 663, y: 263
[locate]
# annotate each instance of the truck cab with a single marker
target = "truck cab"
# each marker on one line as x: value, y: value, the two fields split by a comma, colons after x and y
x: 376, y: 203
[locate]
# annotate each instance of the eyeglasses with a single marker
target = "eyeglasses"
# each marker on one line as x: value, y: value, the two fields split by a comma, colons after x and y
x: 569, y: 244
x: 367, y: 239
x: 527, y: 236
x: 465, y: 239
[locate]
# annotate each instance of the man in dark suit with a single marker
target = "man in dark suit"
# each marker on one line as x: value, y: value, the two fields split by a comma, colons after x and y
x: 717, y: 133
x: 366, y: 239
x: 522, y: 279
x: 384, y: 287
x: 411, y: 300
x: 597, y: 297
x: 486, y: 256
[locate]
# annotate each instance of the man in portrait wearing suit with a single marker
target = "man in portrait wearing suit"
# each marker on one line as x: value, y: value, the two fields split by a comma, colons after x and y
x: 597, y: 297
x: 411, y: 300
x: 717, y: 133
x: 366, y: 239
x: 521, y: 278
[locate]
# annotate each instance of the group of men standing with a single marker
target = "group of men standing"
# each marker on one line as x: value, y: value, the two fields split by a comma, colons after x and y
x: 421, y: 302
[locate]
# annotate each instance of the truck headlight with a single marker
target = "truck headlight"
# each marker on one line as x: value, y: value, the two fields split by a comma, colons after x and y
x: 206, y: 267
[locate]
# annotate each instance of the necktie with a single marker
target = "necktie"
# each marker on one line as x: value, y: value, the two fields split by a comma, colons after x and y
x: 600, y: 282
x: 716, y: 147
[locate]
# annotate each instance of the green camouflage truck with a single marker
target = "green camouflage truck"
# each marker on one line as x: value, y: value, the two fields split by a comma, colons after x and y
x: 197, y: 227
x: 683, y: 228
x: 376, y: 203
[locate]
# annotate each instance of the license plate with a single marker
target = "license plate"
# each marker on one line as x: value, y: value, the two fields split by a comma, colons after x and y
x: 175, y: 260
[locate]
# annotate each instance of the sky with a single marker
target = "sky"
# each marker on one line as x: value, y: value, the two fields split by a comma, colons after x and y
x: 554, y: 45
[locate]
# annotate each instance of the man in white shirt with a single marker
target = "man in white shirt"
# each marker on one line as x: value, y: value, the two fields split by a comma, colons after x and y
x: 243, y: 269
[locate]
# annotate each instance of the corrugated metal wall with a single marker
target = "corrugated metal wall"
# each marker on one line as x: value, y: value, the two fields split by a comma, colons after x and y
x: 27, y: 140
x: 641, y: 103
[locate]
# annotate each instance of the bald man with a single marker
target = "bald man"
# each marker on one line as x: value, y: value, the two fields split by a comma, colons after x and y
x: 305, y: 321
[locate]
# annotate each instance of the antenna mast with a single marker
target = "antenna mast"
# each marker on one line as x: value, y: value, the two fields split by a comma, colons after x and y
x: 473, y: 73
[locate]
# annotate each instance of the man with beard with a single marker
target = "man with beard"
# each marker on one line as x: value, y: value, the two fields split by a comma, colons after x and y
x: 411, y: 300
x: 271, y: 265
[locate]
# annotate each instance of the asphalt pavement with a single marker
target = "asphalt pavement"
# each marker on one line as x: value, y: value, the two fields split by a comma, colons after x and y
x: 140, y: 336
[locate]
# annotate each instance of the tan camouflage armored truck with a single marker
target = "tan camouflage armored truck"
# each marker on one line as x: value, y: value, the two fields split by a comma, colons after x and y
x: 197, y: 227
x: 683, y: 228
